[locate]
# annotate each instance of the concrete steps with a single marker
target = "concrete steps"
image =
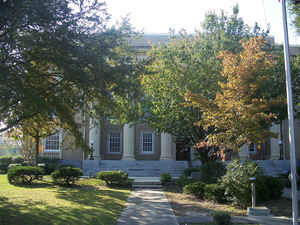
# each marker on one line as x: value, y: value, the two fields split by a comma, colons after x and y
x: 137, y: 168
x: 146, y: 182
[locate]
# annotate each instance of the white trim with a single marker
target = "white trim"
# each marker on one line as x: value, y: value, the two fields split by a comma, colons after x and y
x: 59, y: 143
x: 108, y: 142
x: 142, y: 144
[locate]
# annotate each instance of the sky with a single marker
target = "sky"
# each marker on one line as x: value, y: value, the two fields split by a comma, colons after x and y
x: 158, y: 16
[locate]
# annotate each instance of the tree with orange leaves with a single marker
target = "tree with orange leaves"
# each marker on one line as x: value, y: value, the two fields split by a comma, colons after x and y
x: 241, y: 111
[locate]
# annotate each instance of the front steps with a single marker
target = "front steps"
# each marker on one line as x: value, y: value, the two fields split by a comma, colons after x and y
x: 146, y: 182
x: 136, y: 168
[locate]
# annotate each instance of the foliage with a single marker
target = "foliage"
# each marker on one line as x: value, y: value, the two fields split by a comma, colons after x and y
x: 214, y: 192
x: 24, y: 174
x: 184, y: 180
x: 4, y: 163
x: 66, y: 175
x: 196, y: 189
x: 241, y: 111
x: 18, y: 159
x: 188, y: 171
x: 165, y: 178
x: 118, y: 178
x: 50, y: 164
x: 189, y: 63
x: 268, y: 188
x: 210, y: 172
x: 236, y: 181
x: 222, y: 218
x: 57, y: 58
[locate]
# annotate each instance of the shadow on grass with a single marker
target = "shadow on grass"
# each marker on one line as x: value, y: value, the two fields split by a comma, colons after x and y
x: 80, y: 205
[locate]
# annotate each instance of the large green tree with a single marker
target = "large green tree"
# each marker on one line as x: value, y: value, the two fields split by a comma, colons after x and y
x: 59, y: 57
x: 189, y: 63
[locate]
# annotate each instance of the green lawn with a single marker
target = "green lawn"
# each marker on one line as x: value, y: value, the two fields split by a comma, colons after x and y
x: 43, y: 203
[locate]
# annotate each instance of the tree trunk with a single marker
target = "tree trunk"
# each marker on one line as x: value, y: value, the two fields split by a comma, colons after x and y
x: 37, y: 144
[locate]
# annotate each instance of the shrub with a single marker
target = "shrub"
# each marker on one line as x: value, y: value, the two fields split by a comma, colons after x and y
x: 196, y: 189
x: 214, y: 192
x: 268, y: 188
x: 236, y: 181
x: 24, y: 174
x: 50, y: 164
x: 188, y: 171
x: 183, y: 181
x: 222, y: 218
x: 210, y: 172
x: 66, y: 175
x: 17, y: 160
x: 113, y: 177
x: 4, y: 163
x: 165, y: 178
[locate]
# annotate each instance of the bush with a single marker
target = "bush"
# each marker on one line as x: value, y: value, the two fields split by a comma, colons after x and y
x: 236, y: 181
x: 50, y: 164
x: 211, y: 172
x: 196, y: 189
x: 17, y: 160
x: 165, y: 178
x: 4, y: 163
x: 214, y: 192
x: 222, y: 218
x: 188, y: 171
x: 268, y: 188
x: 183, y: 181
x: 66, y: 175
x: 24, y: 174
x: 113, y: 177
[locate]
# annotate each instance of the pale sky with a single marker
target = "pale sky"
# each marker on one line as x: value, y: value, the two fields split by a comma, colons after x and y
x: 158, y: 16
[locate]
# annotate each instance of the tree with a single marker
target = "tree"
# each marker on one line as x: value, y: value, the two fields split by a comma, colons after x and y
x: 189, y: 63
x: 242, y: 110
x: 59, y: 57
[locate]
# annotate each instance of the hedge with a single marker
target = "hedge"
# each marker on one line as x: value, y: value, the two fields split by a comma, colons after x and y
x: 114, y: 177
x: 24, y: 174
x: 196, y: 189
x: 66, y: 175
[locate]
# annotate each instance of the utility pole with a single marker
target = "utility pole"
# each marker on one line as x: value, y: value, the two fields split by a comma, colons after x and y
x: 290, y: 115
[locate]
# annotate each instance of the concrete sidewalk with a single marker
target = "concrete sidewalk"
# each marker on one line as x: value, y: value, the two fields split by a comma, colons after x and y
x: 147, y: 207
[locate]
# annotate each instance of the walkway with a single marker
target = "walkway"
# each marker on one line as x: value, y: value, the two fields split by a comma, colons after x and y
x: 147, y: 207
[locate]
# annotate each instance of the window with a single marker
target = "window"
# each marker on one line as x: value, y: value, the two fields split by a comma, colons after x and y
x: 114, y: 142
x: 52, y: 142
x: 147, y: 140
x: 252, y: 148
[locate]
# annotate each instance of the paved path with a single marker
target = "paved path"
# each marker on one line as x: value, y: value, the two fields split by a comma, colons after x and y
x: 147, y: 207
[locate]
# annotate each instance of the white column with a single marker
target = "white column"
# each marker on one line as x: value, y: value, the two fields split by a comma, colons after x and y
x: 95, y: 138
x: 275, y: 148
x: 244, y: 152
x: 128, y: 142
x: 166, y: 147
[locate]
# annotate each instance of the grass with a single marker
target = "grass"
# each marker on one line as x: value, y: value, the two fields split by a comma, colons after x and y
x: 184, y: 205
x: 43, y: 203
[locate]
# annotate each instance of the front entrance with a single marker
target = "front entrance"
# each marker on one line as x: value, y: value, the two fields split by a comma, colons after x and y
x: 182, y: 153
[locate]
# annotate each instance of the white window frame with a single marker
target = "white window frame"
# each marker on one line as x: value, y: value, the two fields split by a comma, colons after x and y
x: 142, y: 142
x: 255, y: 149
x: 108, y: 142
x: 59, y: 144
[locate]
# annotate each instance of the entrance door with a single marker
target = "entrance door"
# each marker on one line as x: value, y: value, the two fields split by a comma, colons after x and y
x: 182, y: 153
